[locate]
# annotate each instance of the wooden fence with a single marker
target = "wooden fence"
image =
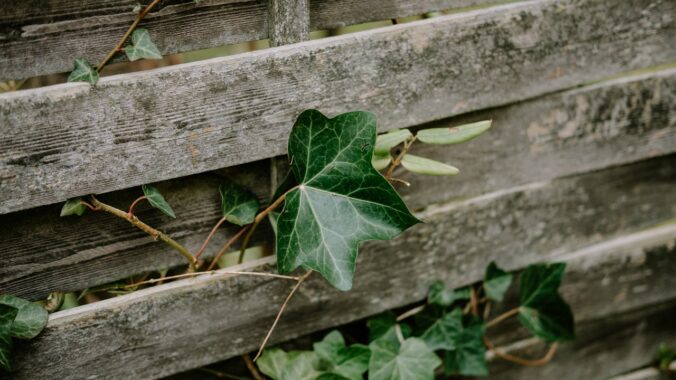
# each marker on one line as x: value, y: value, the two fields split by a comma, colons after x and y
x: 580, y: 166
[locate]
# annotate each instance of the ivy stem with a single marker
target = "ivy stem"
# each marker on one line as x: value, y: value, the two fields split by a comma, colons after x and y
x: 227, y: 245
x: 397, y: 160
x: 410, y: 313
x: 124, y: 38
x: 281, y: 311
x: 252, y: 367
x: 211, y: 235
x: 155, y: 234
x: 400, y: 335
x: 502, y: 317
x: 473, y: 302
x: 92, y: 208
x: 196, y: 274
x: 521, y: 361
x: 137, y: 201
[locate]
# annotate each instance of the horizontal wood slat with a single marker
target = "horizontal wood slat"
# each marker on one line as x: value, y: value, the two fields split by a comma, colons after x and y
x: 615, y: 122
x: 186, y: 324
x: 191, y: 118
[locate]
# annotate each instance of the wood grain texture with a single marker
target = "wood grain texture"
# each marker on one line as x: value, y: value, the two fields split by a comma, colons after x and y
x: 191, y: 118
x: 289, y: 21
x: 616, y: 122
x: 186, y: 324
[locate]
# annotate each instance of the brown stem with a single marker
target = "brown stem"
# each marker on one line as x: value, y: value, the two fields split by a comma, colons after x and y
x: 410, y: 313
x: 211, y: 235
x: 397, y: 160
x: 133, y: 204
x: 227, y: 245
x: 89, y: 206
x: 473, y: 302
x: 155, y: 234
x: 195, y: 274
x: 502, y: 317
x: 124, y: 38
x: 281, y: 311
x: 245, y: 242
x: 252, y: 367
x: 398, y: 180
x: 521, y: 361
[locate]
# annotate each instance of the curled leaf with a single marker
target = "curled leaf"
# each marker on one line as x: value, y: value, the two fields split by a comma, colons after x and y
x: 423, y: 165
x: 142, y: 46
x: 454, y: 135
x: 73, y: 206
x: 83, y: 72
x: 389, y: 140
x: 156, y: 200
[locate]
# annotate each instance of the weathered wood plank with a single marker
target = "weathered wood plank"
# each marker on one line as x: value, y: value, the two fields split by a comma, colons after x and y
x: 289, y: 21
x: 42, y: 255
x: 173, y: 327
x: 196, y: 117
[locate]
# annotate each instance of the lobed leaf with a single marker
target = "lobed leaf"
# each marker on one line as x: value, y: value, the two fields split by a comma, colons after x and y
x: 7, y: 315
x: 238, y: 205
x: 73, y: 206
x: 338, y: 359
x: 142, y: 46
x: 422, y: 165
x: 341, y: 200
x: 294, y: 365
x: 496, y: 282
x: 468, y: 357
x: 389, y: 140
x: 454, y: 135
x: 412, y: 360
x: 30, y: 319
x: 439, y: 295
x: 156, y: 200
x: 83, y: 72
x: 443, y: 332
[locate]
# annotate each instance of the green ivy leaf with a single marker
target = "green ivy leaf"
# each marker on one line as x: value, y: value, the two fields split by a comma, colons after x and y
x: 336, y: 358
x: 422, y: 165
x: 380, y: 162
x: 341, y: 199
x: 382, y: 326
x: 238, y: 205
x: 496, y: 282
x: 468, y: 357
x: 443, y: 332
x: 439, y: 295
x: 455, y: 135
x: 7, y: 316
x: 542, y: 310
x: 389, y: 140
x: 272, y: 362
x: 157, y: 200
x: 73, y: 206
x: 412, y: 360
x: 665, y: 356
x: 294, y: 365
x: 83, y: 72
x: 31, y: 317
x: 142, y: 46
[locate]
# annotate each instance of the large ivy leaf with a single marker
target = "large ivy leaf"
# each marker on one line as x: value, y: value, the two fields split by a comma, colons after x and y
x: 73, y: 206
x: 336, y: 358
x: 83, y: 72
x: 454, y: 135
x: 156, y: 200
x: 468, y: 356
x: 238, y: 205
x: 542, y: 310
x: 341, y: 200
x: 30, y: 319
x: 439, y: 295
x: 142, y: 46
x: 294, y: 365
x: 412, y: 360
x: 496, y: 282
x: 7, y: 316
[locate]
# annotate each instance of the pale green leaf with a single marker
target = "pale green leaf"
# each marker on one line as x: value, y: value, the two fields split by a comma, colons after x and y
x: 73, y: 206
x: 412, y: 360
x: 157, y: 200
x: 443, y: 332
x: 453, y: 135
x: 83, y: 72
x: 496, y: 282
x: 439, y: 295
x: 341, y: 199
x: 7, y: 315
x: 336, y: 358
x: 380, y: 162
x: 389, y: 140
x: 300, y: 366
x: 142, y: 46
x: 272, y: 362
x: 423, y: 165
x: 30, y: 320
x: 238, y: 205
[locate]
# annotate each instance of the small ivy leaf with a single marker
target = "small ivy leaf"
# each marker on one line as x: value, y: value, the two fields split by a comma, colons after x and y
x: 542, y: 310
x: 272, y: 362
x: 30, y: 319
x: 412, y: 360
x: 7, y: 315
x: 73, y: 206
x: 300, y: 366
x: 389, y: 140
x: 443, y: 332
x: 238, y: 205
x: 83, y: 72
x: 455, y: 135
x: 137, y: 8
x: 380, y: 324
x: 157, y: 200
x: 496, y: 282
x: 439, y: 295
x: 341, y: 199
x: 142, y: 46
x: 468, y: 357
x: 422, y: 165
x: 336, y: 358
x: 380, y: 162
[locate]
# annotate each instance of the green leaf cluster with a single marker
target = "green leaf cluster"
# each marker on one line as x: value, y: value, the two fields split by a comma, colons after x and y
x: 20, y: 319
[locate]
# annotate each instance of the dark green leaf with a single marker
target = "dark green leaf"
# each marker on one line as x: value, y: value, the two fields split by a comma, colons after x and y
x: 422, y: 165
x: 348, y: 362
x: 496, y: 282
x: 83, y: 72
x: 468, y: 357
x: 453, y: 135
x: 332, y: 376
x: 382, y: 326
x: 444, y: 332
x: 412, y: 360
x: 439, y: 295
x: 30, y: 320
x: 380, y: 162
x: 665, y: 356
x: 389, y: 140
x: 73, y: 206
x: 341, y: 199
x: 7, y: 315
x: 542, y: 310
x: 238, y: 205
x: 157, y: 200
x: 142, y: 46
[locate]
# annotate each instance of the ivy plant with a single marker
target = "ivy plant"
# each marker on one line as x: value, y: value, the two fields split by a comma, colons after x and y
x: 19, y: 319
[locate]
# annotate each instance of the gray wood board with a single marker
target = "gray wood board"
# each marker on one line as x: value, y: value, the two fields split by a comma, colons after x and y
x: 172, y: 122
x: 289, y: 21
x: 43, y: 252
x: 190, y: 323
